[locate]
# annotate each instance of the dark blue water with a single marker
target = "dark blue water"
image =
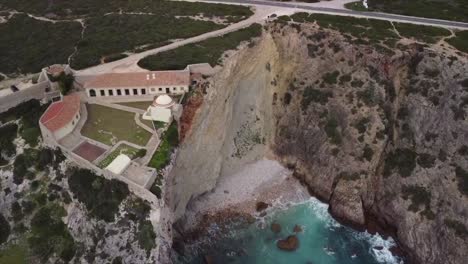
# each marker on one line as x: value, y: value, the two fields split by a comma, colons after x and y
x: 322, y: 241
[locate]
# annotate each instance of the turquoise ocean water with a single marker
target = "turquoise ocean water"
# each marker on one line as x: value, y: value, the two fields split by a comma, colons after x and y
x: 322, y: 240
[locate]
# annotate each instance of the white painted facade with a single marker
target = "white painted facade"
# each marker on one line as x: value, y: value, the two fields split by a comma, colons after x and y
x: 136, y: 91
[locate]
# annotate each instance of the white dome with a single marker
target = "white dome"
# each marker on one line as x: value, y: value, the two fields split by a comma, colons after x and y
x: 163, y: 100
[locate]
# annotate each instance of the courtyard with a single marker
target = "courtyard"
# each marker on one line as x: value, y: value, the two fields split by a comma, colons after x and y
x: 109, y: 126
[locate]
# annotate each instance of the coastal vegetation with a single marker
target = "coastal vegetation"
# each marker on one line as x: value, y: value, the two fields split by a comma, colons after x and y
x: 456, y: 10
x: 115, y: 33
x: 110, y: 28
x: 460, y: 41
x: 421, y: 33
x: 210, y: 51
x: 33, y: 44
x: 110, y: 125
x: 169, y: 141
x: 101, y: 197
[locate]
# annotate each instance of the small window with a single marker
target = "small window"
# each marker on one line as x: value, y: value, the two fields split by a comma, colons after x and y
x: 103, y: 93
x: 160, y: 89
x: 153, y: 89
x: 135, y: 91
x: 111, y: 93
x: 143, y: 91
x: 174, y: 88
x: 119, y: 92
x: 127, y: 91
x: 73, y: 122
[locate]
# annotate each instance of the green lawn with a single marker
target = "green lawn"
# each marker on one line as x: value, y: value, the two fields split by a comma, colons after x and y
x: 130, y: 151
x: 14, y: 254
x: 139, y: 105
x: 209, y: 51
x: 109, y: 125
x: 169, y: 141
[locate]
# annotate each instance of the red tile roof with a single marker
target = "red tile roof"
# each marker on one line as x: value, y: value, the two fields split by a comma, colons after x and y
x: 140, y: 79
x: 59, y: 114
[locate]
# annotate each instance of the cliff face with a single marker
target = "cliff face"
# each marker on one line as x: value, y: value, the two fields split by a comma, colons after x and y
x: 376, y: 134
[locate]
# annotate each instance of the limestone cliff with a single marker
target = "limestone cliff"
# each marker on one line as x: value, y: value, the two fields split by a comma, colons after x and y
x: 378, y: 134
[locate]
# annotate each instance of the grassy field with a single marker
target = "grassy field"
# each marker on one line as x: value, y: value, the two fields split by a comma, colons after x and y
x: 456, y: 10
x: 139, y: 105
x: 29, y: 44
x: 109, y: 125
x: 421, y: 33
x: 130, y: 151
x: 169, y: 141
x: 209, y: 51
x: 15, y: 254
x: 113, y: 34
x: 460, y: 41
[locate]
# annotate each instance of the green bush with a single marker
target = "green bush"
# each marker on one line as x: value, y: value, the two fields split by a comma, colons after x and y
x: 209, y: 51
x: 368, y: 153
x: 101, y: 197
x: 330, y: 77
x: 8, y: 133
x: 426, y: 160
x: 4, y: 229
x: 462, y: 177
x: 314, y: 95
x: 169, y: 141
x: 403, y: 160
x: 65, y: 82
x: 361, y: 125
x: 49, y: 235
x: 421, y: 33
x: 331, y: 128
x: 457, y: 226
x: 146, y: 237
x: 418, y: 195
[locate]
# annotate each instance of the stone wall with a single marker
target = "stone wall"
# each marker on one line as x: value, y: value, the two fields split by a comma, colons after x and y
x: 36, y: 91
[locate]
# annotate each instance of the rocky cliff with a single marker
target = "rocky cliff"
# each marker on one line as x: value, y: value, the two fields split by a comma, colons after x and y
x: 379, y: 132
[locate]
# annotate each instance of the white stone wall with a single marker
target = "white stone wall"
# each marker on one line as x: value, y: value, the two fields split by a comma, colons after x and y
x: 13, y: 99
x: 68, y: 128
x: 141, y: 91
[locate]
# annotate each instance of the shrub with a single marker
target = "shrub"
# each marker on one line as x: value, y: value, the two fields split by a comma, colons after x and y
x: 403, y: 160
x: 209, y: 51
x: 49, y: 235
x: 313, y: 95
x: 418, y: 195
x: 169, y: 141
x: 426, y: 160
x: 331, y: 128
x: 8, y: 134
x: 101, y: 197
x: 20, y: 167
x: 331, y: 77
x: 140, y: 153
x: 361, y: 125
x: 368, y: 153
x: 457, y: 226
x: 16, y: 211
x: 146, y: 236
x: 4, y: 229
x: 462, y: 177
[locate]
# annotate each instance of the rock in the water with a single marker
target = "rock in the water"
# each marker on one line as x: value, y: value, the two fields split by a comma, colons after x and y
x: 297, y: 229
x: 261, y: 206
x: 276, y: 228
x: 291, y: 243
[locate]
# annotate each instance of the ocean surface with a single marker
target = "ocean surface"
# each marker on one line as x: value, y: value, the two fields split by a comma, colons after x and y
x: 322, y: 240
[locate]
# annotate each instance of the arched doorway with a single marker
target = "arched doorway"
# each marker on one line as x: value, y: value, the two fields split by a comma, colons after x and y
x: 92, y: 93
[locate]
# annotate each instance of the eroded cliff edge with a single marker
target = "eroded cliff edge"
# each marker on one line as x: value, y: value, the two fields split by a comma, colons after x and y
x: 379, y: 133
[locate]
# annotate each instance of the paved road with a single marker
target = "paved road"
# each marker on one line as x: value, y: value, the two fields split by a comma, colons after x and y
x: 310, y: 7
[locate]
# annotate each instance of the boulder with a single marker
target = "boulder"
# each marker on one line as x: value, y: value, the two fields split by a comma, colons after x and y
x: 261, y: 206
x: 290, y: 243
x: 276, y: 228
